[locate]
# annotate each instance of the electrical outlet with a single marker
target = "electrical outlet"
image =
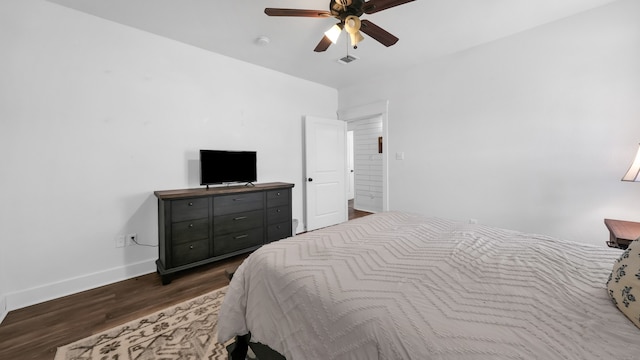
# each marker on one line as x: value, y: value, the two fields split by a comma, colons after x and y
x: 120, y: 241
x: 131, y: 239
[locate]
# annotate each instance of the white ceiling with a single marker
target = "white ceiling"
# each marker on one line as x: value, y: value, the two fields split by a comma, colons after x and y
x: 426, y: 28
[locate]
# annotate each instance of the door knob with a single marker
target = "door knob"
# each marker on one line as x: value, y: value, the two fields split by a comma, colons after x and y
x: 310, y: 179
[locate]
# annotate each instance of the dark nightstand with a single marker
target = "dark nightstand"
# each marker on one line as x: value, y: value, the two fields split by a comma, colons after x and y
x: 622, y: 233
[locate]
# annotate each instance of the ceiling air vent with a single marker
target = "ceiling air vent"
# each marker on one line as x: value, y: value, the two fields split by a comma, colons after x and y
x: 347, y: 59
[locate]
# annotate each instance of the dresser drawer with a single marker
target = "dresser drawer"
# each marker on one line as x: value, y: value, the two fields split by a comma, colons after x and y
x: 237, y: 241
x: 190, y: 252
x: 278, y: 214
x: 226, y: 224
x: 191, y: 230
x: 278, y: 231
x: 189, y: 209
x: 229, y: 204
x: 277, y: 197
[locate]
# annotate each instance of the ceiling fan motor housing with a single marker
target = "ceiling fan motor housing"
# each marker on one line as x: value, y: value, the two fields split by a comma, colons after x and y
x: 343, y: 8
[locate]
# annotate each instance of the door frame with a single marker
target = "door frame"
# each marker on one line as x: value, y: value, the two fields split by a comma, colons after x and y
x: 379, y: 108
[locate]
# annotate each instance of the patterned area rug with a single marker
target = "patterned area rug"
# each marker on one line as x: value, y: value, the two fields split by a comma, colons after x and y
x: 184, y: 331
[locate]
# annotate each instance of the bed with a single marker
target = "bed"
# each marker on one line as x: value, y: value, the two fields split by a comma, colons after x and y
x: 395, y: 285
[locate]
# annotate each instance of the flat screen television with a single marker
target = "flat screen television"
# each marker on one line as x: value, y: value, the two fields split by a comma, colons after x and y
x: 219, y: 167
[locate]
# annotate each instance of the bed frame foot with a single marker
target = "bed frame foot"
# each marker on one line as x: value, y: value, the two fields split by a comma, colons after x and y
x: 238, y: 349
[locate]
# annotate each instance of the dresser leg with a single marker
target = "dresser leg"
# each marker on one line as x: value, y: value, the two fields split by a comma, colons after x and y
x: 166, y: 279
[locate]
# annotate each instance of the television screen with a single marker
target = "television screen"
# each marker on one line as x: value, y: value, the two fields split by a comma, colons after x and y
x: 218, y: 167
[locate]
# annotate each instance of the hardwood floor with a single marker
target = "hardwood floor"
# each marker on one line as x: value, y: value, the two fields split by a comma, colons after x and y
x: 354, y: 214
x: 36, y: 331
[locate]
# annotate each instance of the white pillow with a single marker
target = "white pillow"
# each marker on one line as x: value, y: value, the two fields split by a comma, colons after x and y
x: 624, y: 282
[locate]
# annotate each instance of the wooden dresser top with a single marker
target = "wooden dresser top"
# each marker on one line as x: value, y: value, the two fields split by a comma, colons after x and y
x: 219, y: 190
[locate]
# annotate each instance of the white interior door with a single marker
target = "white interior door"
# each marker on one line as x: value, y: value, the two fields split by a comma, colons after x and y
x: 325, y: 172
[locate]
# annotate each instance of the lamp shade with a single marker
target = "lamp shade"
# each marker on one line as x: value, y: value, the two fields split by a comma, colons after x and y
x: 334, y: 33
x: 633, y: 174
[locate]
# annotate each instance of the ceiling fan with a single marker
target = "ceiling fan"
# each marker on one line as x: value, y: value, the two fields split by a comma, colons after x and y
x: 348, y: 12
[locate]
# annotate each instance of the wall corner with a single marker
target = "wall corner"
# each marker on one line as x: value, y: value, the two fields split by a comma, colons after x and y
x: 3, y: 307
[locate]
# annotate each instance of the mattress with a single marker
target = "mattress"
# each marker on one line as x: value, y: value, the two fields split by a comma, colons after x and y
x: 402, y: 286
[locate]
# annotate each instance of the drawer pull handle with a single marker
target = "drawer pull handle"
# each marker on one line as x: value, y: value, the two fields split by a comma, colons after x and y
x: 278, y: 227
x: 278, y: 193
x: 191, y: 247
x: 190, y: 225
x: 241, y: 236
x: 240, y: 218
x: 237, y: 199
x: 278, y: 210
x: 190, y: 204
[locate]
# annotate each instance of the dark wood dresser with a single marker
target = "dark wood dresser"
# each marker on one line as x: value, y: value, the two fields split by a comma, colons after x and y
x: 199, y: 226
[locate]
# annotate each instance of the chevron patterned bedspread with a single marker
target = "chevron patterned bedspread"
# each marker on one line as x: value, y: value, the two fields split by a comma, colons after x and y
x: 402, y: 286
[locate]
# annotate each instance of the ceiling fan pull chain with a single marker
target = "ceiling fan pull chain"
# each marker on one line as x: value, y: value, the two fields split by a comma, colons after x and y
x: 347, y: 43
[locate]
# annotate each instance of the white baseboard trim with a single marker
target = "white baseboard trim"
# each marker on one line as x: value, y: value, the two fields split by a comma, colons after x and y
x: 39, y: 294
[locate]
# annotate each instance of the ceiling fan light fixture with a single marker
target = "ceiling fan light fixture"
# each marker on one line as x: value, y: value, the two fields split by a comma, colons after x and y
x: 352, y: 26
x: 356, y: 38
x: 334, y: 33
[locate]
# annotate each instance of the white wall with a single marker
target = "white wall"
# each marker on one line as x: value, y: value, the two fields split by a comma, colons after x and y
x: 95, y: 116
x: 532, y: 132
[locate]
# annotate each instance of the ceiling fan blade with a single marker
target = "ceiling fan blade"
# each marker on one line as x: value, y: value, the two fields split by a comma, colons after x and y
x: 296, y: 12
x: 323, y: 45
x: 373, y: 6
x: 378, y: 33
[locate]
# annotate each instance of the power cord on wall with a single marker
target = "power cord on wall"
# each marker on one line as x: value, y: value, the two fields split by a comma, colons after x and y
x: 133, y: 240
x: 137, y: 243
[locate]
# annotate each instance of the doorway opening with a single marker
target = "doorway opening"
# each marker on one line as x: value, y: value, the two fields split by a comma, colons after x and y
x: 376, y: 144
x: 365, y: 164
